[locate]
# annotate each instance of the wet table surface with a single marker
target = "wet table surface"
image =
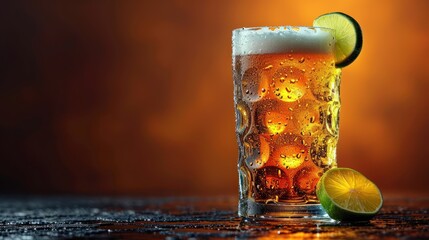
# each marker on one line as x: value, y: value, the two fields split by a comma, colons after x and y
x: 191, y: 218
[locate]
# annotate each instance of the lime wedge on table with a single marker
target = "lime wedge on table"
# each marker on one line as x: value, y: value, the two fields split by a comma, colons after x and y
x: 348, y: 36
x: 347, y: 195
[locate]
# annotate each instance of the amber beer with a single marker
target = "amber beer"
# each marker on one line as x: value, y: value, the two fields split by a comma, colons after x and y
x: 287, y: 101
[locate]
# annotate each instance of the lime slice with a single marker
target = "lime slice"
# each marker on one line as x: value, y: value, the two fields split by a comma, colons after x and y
x: 348, y: 36
x: 347, y: 195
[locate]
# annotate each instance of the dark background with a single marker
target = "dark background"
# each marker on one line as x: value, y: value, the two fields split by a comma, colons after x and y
x: 135, y: 97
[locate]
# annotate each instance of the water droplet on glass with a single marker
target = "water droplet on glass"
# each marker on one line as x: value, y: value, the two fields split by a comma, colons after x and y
x: 268, y: 67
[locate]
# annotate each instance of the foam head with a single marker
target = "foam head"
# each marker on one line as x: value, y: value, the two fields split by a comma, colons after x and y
x: 287, y: 39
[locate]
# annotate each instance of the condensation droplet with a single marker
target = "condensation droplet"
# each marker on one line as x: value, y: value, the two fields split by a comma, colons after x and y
x: 268, y: 67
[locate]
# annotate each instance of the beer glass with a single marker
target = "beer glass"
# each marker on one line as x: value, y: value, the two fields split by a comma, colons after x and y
x: 287, y: 102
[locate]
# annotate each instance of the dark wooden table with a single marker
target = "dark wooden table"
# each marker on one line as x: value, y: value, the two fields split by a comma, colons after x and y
x: 190, y: 218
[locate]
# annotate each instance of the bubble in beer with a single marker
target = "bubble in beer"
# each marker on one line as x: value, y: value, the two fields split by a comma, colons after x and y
x: 252, y: 84
x: 305, y: 181
x: 289, y: 84
x: 271, y: 183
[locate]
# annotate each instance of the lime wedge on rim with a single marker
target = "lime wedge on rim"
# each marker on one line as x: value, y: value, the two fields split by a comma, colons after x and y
x: 347, y: 195
x: 348, y: 36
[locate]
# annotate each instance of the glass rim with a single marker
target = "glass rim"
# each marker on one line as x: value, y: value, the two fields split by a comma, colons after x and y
x: 279, y: 28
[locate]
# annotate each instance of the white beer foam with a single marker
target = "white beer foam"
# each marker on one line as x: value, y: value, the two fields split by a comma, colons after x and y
x: 287, y: 39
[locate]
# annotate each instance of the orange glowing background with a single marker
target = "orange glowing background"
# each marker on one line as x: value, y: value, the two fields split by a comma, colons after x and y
x: 135, y: 97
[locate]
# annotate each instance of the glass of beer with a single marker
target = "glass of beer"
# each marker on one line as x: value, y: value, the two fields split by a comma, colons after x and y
x: 287, y: 102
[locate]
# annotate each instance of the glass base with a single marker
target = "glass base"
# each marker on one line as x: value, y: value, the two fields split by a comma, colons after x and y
x: 280, y: 211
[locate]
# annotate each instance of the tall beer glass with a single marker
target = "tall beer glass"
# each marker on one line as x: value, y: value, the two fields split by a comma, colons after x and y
x: 287, y: 102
